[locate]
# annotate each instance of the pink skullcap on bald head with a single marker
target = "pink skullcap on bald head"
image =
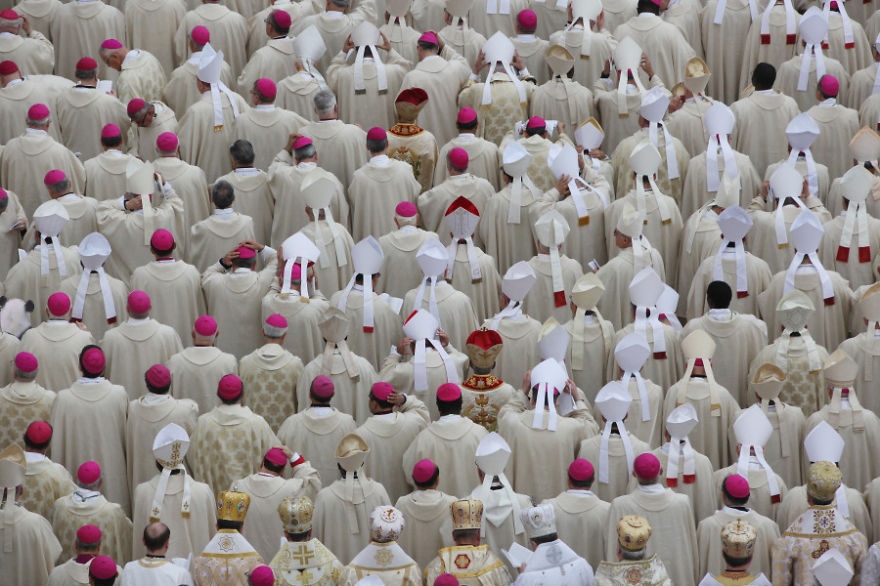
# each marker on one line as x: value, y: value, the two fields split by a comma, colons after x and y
x: 102, y: 568
x: 301, y: 142
x: 245, y: 253
x: 167, y: 142
x: 466, y: 115
x: 266, y: 86
x: 323, y: 387
x: 276, y: 320
x: 423, y: 471
x: 134, y: 106
x: 38, y: 112
x: 381, y: 390
x: 406, y: 209
x: 93, y: 361
x: 158, y: 376
x: 281, y: 18
x: 527, y: 20
x: 376, y: 133
x: 139, y: 302
x: 88, y: 534
x: 276, y: 457
x: 448, y: 392
x: 200, y: 35
x: 110, y: 131
x: 205, y: 325
x: 38, y: 432
x: 88, y: 472
x: 86, y: 64
x: 829, y: 85
x: 429, y: 37
x: 446, y: 580
x: 580, y: 470
x: 58, y: 304
x: 536, y: 122
x: 54, y: 176
x: 458, y: 157
x: 262, y: 576
x: 26, y: 362
x: 737, y: 486
x: 111, y: 44
x: 162, y: 239
x: 229, y: 387
x: 646, y: 466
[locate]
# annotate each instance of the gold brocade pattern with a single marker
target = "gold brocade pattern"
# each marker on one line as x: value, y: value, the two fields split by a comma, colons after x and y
x: 307, y: 563
x: 224, y: 570
x: 270, y: 393
x: 477, y: 395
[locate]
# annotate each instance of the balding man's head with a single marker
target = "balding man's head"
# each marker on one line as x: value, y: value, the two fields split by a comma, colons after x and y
x: 156, y: 536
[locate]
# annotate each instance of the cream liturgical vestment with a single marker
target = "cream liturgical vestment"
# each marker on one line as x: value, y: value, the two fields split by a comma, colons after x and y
x: 21, y: 403
x: 386, y: 325
x: 331, y: 522
x: 434, y: 203
x: 399, y: 372
x: 694, y: 193
x: 374, y: 192
x: 305, y: 562
x: 709, y: 531
x: 133, y: 347
x: 25, y: 281
x: 181, y: 91
x: 471, y: 565
x: 760, y: 498
x: 151, y: 25
x: 175, y: 293
x: 619, y: 471
x: 253, y: 198
x: 228, y: 554
x: 191, y: 185
x: 96, y: 405
x: 663, y: 42
x: 387, y: 561
x: 670, y: 515
x: 428, y: 523
x: 616, y: 275
x: 783, y: 43
x: 105, y: 174
x: 146, y: 417
x: 31, y: 52
x: 87, y: 507
x: 367, y: 107
x: 189, y: 533
x: 400, y: 272
x: 270, y: 374
x: 700, y: 490
x: 540, y: 303
x: 262, y: 526
x: 9, y: 345
x: 760, y: 129
x: 77, y: 31
x: 315, y: 432
x: 663, y: 370
x: 454, y: 308
x: 352, y: 393
x: 228, y: 33
x: 757, y: 272
x: 861, y: 431
x: 142, y: 76
x: 267, y: 128
x: 82, y: 212
x: 200, y: 143
x: 141, y: 140
x: 31, y: 550
x: 45, y: 482
x: 196, y: 371
x: 442, y: 78
x: 341, y: 147
x: 581, y: 518
x: 82, y: 109
x: 10, y: 239
x: 302, y: 316
x: 216, y: 235
x: 795, y: 504
x: 57, y: 344
x: 94, y: 316
x: 724, y: 47
x: 484, y: 159
x: 229, y: 443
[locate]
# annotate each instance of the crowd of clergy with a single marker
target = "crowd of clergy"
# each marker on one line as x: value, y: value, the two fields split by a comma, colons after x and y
x: 439, y: 292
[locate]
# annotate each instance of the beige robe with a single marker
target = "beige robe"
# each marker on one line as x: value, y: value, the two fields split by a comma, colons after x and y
x: 142, y: 76
x: 701, y: 491
x: 213, y: 237
x: 433, y: 203
x: 319, y: 562
x: 481, y: 566
x: 694, y: 193
x: 24, y: 161
x: 367, y: 107
x: 302, y: 317
x: 334, y: 30
x: 607, y: 107
x: 710, y: 437
x: 57, y: 345
x: 41, y: 13
x: 428, y: 523
x: 132, y: 348
x: 564, y: 100
x: 297, y: 94
x: 126, y: 232
x: 93, y: 316
x: 760, y: 129
x: 581, y: 517
x: 663, y: 370
x: 267, y: 128
x: 757, y: 271
x: 332, y: 270
x: 252, y: 199
x: 100, y: 407
x: 289, y: 214
x: 19, y: 95
x: 151, y: 26
x: 274, y: 60
x: 688, y: 125
x: 828, y: 324
x: 270, y: 374
x: 586, y: 239
x: 9, y: 345
x: 80, y: 112
x: 372, y: 561
x: 760, y: 499
x: 83, y: 220
x: 669, y: 515
x: 351, y: 393
x: 762, y: 237
x: 200, y: 143
x: 331, y: 521
x: 789, y: 72
x: 141, y: 140
x: 541, y: 303
x: 709, y: 540
x: 540, y: 456
x: 21, y: 403
x: 401, y: 272
x: 257, y: 22
x: 175, y: 293
x: 10, y: 239
x: 484, y: 159
x: 386, y: 332
x: 191, y: 185
x: 619, y: 473
x: 795, y: 504
x: 33, y: 53
x: 624, y: 173
x: 262, y: 527
x: 196, y: 372
x: 341, y: 147
x: 700, y: 239
x: 500, y: 116
x: 742, y: 336
x: 229, y: 443
x: 229, y: 33
x: 78, y: 29
x: 482, y: 292
x: 718, y: 39
x: 616, y: 275
x: 24, y: 280
x: 455, y: 311
x: 803, y: 388
x: 467, y: 42
x: 499, y: 531
x: 856, y: 464
x: 856, y: 273
x: 441, y: 78
x: 488, y: 24
x: 780, y: 49
x: 45, y: 481
x: 105, y: 174
x: 146, y: 417
x: 72, y: 512
x: 181, y: 91
x: 447, y: 442
x: 34, y: 548
x: 863, y: 348
x: 189, y: 534
x: 837, y: 125
x: 531, y: 49
x: 399, y: 372
x: 315, y: 435
x: 374, y: 192
x: 665, y: 45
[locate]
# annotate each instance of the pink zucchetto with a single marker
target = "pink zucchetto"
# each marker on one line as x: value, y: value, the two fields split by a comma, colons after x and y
x: 8, y: 67
x: 162, y: 239
x: 88, y: 472
x: 88, y: 534
x: 158, y: 376
x: 245, y: 252
x: 102, y: 568
x: 281, y: 18
x: 86, y: 64
x: 9, y: 14
x: 276, y: 457
x: 276, y: 320
x: 110, y: 131
x: 230, y: 387
x: 527, y: 20
x: 111, y: 44
x: 301, y: 142
x: 406, y: 209
x: 536, y: 122
x: 38, y: 112
x: 646, y: 466
x: 200, y: 35
x: 139, y: 302
x: 448, y: 392
x: 93, y: 361
x: 262, y: 575
x: 423, y: 471
x: 466, y: 115
x: 381, y: 390
x: 429, y: 37
x: 58, y: 304
x: 38, y: 432
x: 167, y: 142
x: 737, y: 486
x: 54, y: 176
x: 205, y: 326
x: 446, y: 580
x: 376, y: 133
x: 829, y: 85
x: 267, y: 87
x: 135, y: 105
x: 323, y: 387
x: 458, y: 157
x: 580, y: 470
x: 26, y: 362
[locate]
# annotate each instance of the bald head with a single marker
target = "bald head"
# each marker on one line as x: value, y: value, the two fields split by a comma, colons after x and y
x: 156, y: 536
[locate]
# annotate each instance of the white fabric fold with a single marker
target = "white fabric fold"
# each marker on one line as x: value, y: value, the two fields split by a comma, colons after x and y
x: 159, y: 496
x: 643, y: 391
x: 381, y: 75
x: 671, y: 158
x: 604, y: 466
x: 514, y: 78
x: 545, y: 398
x: 811, y: 51
x: 79, y: 299
x: 824, y: 278
x: 59, y: 255
x: 742, y: 273
x: 473, y: 261
x: 713, y: 174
